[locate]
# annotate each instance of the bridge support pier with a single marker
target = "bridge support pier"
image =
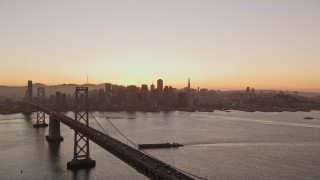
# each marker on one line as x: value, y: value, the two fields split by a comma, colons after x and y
x: 81, y: 154
x: 81, y: 164
x: 41, y: 120
x: 41, y: 116
x: 54, y: 130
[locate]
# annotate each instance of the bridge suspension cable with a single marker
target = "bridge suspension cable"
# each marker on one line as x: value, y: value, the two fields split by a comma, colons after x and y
x: 132, y: 143
x: 120, y: 131
x: 137, y: 147
x: 99, y: 124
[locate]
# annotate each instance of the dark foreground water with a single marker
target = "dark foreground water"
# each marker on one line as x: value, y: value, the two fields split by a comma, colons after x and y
x: 218, y: 145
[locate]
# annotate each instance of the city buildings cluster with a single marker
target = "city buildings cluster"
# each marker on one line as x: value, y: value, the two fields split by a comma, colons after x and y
x: 153, y: 98
x: 146, y: 97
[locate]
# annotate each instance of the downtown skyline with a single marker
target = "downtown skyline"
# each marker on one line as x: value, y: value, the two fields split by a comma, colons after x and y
x: 218, y: 44
x: 188, y: 84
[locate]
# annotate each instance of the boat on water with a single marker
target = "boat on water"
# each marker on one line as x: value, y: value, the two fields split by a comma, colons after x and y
x: 308, y: 118
x: 159, y: 145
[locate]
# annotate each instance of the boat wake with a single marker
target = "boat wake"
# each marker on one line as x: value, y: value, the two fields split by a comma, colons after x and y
x: 256, y: 144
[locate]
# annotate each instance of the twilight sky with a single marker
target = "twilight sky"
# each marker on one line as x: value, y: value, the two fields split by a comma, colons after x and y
x: 219, y: 44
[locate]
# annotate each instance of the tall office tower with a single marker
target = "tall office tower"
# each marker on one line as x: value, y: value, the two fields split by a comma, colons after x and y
x: 144, y: 87
x: 248, y: 90
x: 160, y: 87
x: 166, y: 96
x: 144, y: 95
x: 152, y: 87
x: 58, y: 98
x: 64, y: 99
x: 189, y: 95
x: 153, y: 95
x: 30, y: 90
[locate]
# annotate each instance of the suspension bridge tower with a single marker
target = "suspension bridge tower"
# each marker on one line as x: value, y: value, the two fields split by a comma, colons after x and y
x: 41, y: 116
x: 81, y: 153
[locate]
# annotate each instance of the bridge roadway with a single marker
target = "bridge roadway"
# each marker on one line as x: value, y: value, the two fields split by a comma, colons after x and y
x: 143, y: 163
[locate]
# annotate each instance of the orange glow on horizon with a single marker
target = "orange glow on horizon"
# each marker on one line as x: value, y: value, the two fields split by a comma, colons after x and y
x: 215, y: 44
x: 228, y: 84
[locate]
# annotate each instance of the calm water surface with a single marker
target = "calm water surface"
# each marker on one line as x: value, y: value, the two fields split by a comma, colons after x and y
x: 218, y: 145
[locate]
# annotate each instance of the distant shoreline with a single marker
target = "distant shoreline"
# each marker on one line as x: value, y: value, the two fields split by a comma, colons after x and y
x: 255, y: 109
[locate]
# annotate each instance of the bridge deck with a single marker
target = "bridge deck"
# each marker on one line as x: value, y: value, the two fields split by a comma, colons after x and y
x: 143, y: 163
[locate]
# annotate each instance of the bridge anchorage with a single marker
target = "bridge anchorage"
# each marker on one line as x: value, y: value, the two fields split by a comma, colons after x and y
x: 41, y: 116
x: 81, y: 153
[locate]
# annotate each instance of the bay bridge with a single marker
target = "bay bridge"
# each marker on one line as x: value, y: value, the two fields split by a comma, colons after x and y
x: 143, y: 162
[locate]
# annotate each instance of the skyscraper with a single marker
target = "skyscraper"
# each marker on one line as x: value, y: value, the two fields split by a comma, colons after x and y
x: 160, y: 87
x: 144, y: 95
x: 144, y: 87
x: 153, y: 95
x: 189, y: 95
x: 30, y: 95
x: 58, y: 98
x: 152, y: 87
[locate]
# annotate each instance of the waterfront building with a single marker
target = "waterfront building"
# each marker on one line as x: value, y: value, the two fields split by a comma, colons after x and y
x: 153, y: 96
x: 182, y: 99
x: 159, y: 91
x: 160, y: 87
